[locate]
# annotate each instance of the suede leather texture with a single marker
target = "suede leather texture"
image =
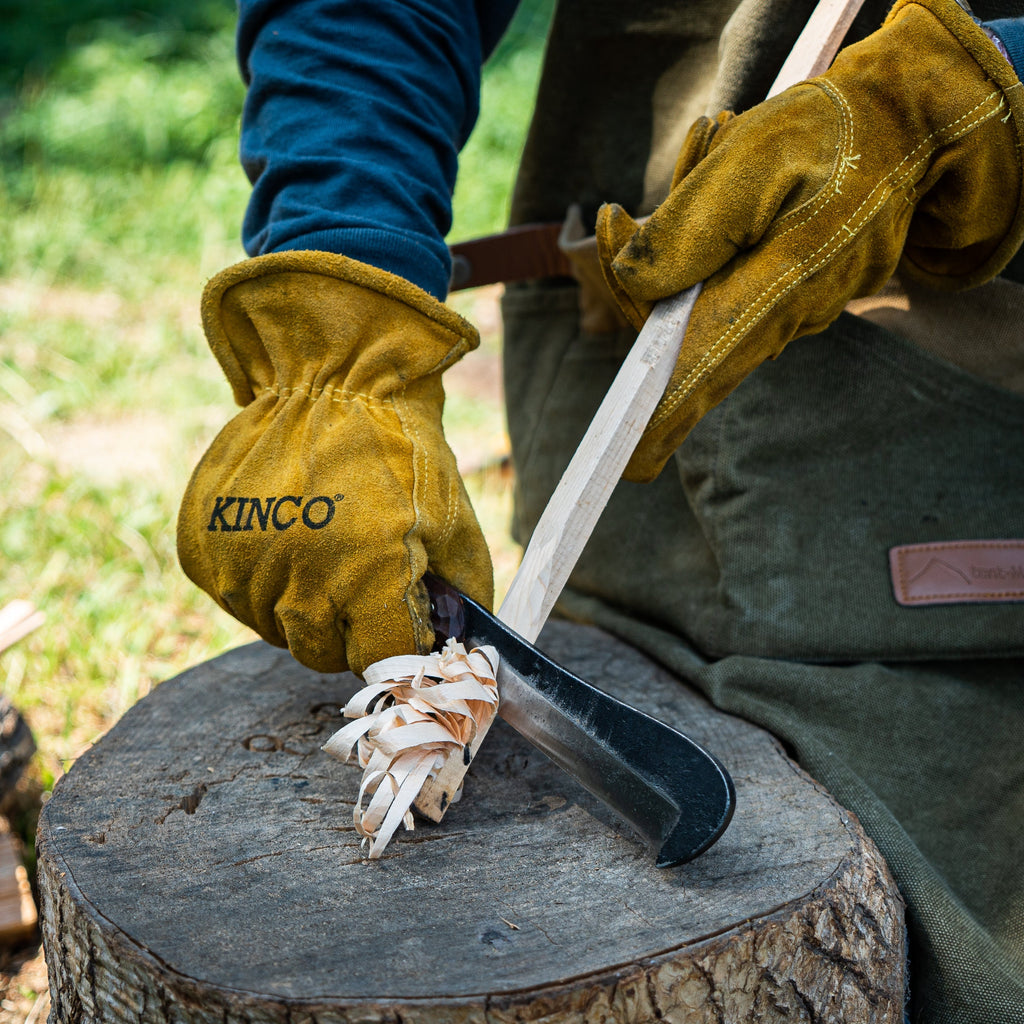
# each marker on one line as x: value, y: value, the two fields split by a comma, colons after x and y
x: 814, y: 198
x: 316, y: 511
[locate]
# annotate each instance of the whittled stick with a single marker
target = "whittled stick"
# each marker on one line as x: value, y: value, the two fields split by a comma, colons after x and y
x: 819, y: 42
x: 572, y: 512
x: 584, y: 490
x: 581, y: 495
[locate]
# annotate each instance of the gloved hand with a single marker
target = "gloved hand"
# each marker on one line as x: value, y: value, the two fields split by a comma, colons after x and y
x: 909, y: 148
x: 318, y: 508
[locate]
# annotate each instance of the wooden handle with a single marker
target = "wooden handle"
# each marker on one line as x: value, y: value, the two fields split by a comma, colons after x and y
x: 819, y: 42
x: 582, y: 493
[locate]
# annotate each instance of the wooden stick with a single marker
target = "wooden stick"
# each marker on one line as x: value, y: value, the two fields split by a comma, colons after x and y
x: 819, y: 42
x: 582, y: 493
x: 17, y: 619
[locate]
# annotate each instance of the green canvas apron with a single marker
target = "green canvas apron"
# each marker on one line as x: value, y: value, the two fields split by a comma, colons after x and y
x: 757, y: 565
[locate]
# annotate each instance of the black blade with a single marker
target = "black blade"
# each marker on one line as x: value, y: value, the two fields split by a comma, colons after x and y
x: 672, y: 791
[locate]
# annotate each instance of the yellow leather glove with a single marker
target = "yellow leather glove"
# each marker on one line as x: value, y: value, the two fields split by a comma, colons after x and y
x: 908, y: 148
x: 316, y: 511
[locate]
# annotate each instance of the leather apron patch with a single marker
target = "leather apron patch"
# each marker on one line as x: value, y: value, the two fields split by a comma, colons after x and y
x: 958, y: 572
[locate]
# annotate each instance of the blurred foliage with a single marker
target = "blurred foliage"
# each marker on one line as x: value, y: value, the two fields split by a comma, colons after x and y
x: 40, y: 34
x: 488, y: 163
x: 118, y: 164
x: 118, y: 144
x: 120, y: 103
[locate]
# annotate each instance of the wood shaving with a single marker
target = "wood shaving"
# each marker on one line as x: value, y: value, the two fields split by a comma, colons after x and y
x: 414, y: 712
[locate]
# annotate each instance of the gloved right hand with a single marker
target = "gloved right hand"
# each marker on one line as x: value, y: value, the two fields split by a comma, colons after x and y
x: 906, y: 153
x: 316, y: 511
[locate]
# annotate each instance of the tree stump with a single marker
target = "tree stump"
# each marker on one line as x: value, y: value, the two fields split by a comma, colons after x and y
x: 199, y: 865
x: 18, y: 916
x: 16, y: 746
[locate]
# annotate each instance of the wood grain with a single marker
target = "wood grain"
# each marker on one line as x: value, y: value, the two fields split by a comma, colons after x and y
x: 818, y: 43
x: 199, y: 865
x: 595, y: 469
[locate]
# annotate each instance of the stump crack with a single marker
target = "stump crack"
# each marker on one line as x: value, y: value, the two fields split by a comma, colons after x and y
x: 846, y: 967
x: 806, y: 1002
x: 283, y: 853
x: 543, y: 932
x: 714, y: 1000
x: 636, y: 913
x: 649, y: 977
x: 436, y: 837
x: 189, y: 803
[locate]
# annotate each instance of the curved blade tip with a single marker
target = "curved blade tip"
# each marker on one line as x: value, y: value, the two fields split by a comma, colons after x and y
x: 689, y: 839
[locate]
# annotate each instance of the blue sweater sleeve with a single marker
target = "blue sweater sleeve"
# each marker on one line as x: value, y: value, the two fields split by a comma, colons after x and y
x: 354, y: 116
x: 1011, y: 34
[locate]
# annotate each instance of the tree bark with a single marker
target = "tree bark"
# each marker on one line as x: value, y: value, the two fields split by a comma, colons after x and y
x: 199, y: 865
x: 16, y: 746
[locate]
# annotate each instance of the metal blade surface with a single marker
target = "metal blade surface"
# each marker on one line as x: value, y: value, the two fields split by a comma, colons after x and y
x: 673, y: 792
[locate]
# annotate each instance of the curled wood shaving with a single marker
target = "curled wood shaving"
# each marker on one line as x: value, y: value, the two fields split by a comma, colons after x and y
x: 414, y: 712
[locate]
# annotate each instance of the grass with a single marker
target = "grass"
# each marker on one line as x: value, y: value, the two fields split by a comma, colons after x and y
x: 119, y: 196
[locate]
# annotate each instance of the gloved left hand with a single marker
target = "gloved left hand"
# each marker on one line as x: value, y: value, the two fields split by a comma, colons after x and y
x: 907, y: 149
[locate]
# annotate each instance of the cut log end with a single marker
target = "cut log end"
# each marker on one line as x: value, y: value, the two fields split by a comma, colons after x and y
x: 254, y: 903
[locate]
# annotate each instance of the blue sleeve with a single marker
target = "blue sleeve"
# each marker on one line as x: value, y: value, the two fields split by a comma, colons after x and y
x: 1011, y: 34
x: 354, y: 116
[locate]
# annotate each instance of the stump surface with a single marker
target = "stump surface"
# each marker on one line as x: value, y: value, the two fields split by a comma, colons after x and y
x: 199, y: 864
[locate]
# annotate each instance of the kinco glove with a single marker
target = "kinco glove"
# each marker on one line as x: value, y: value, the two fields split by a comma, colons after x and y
x: 909, y: 148
x: 318, y: 508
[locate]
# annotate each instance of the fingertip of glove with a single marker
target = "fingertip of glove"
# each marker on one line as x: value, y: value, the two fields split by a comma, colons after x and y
x: 693, y: 149
x: 473, y: 576
x: 614, y: 229
x: 324, y: 660
x: 480, y: 590
x: 644, y: 467
x: 699, y: 141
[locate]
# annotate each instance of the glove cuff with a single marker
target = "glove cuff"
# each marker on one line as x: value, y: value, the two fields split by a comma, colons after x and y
x: 267, y: 315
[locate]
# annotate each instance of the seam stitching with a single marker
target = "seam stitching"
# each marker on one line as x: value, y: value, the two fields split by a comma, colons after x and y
x: 314, y: 394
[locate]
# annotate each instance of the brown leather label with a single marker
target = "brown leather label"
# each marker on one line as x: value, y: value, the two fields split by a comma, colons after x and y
x: 958, y: 572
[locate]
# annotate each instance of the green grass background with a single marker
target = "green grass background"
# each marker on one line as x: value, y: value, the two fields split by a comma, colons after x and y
x: 119, y: 196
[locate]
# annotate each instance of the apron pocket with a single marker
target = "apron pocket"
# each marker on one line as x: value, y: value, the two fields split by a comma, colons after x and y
x: 852, y: 443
